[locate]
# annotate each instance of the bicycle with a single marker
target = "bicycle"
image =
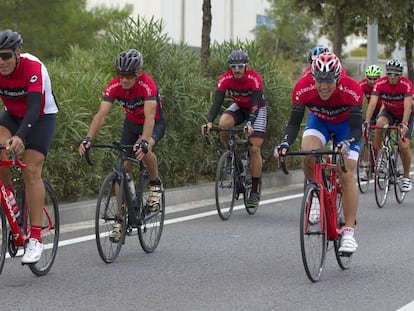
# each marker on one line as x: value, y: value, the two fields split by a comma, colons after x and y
x: 368, y: 152
x: 116, y: 205
x: 388, y: 166
x: 325, y: 194
x: 232, y: 174
x: 15, y: 231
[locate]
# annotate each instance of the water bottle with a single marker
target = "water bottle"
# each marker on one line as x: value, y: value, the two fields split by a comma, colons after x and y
x: 243, y: 172
x: 12, y: 201
x: 131, y: 187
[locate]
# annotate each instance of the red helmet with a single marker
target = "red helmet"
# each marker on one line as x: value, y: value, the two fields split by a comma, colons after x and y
x: 326, y: 66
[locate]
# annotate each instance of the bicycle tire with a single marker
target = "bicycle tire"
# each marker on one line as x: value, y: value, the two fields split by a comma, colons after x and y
x: 344, y: 262
x: 109, y: 210
x: 313, y: 242
x: 3, y: 238
x: 225, y: 185
x: 363, y: 185
x: 151, y: 228
x: 382, y: 177
x: 50, y: 230
x: 398, y: 173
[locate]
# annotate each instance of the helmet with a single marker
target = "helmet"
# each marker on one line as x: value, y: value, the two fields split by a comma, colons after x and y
x: 394, y: 64
x: 326, y: 66
x: 315, y: 51
x: 129, y: 61
x: 373, y: 71
x: 10, y: 40
x: 238, y: 56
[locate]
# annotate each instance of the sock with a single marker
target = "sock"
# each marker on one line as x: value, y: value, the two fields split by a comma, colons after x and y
x: 349, y: 231
x: 35, y: 233
x: 156, y: 182
x: 255, y: 184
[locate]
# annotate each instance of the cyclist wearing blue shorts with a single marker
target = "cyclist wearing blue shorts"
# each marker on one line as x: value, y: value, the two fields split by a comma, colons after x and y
x: 335, y: 104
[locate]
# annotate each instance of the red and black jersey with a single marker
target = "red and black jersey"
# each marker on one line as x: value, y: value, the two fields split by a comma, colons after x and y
x: 30, y: 76
x: 132, y: 100
x: 392, y: 96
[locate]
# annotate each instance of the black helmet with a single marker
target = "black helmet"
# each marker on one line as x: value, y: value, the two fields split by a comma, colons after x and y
x: 394, y: 64
x: 238, y: 56
x: 129, y: 61
x: 10, y: 40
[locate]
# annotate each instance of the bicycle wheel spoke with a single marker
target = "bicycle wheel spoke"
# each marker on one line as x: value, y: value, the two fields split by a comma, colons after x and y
x: 382, y: 177
x: 398, y: 171
x: 225, y: 187
x: 364, y: 168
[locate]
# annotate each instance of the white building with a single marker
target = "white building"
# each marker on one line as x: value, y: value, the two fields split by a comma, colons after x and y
x: 231, y: 19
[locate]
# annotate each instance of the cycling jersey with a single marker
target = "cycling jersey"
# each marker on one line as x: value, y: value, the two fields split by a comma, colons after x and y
x: 30, y: 76
x: 132, y: 100
x: 392, y: 96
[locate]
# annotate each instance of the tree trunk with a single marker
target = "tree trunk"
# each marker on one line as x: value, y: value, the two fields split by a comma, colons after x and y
x: 339, y: 31
x: 409, y: 51
x: 205, y: 36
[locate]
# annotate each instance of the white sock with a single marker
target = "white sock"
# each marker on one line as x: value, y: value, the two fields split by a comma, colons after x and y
x: 349, y: 231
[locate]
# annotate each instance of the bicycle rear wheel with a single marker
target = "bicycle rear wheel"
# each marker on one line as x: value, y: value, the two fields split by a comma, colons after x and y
x: 3, y: 238
x: 110, y: 210
x: 398, y: 174
x: 313, y: 243
x: 50, y: 228
x: 150, y: 231
x: 344, y: 262
x: 364, y: 171
x: 225, y: 185
x: 382, y: 177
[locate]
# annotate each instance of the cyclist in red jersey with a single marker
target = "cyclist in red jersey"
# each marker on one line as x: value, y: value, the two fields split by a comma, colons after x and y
x: 144, y: 124
x: 335, y: 103
x: 313, y: 53
x: 394, y: 92
x: 26, y: 126
x: 372, y: 74
x: 245, y: 88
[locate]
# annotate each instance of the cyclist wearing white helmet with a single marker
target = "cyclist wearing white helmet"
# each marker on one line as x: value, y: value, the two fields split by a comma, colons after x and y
x: 394, y: 93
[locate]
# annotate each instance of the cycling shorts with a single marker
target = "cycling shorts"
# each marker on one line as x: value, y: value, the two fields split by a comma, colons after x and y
x: 323, y: 130
x: 242, y: 115
x: 393, y: 119
x: 132, y: 131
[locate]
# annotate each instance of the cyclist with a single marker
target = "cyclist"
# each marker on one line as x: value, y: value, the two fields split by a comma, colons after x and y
x: 372, y: 74
x: 26, y: 126
x: 394, y: 93
x: 313, y: 53
x: 144, y: 124
x: 245, y: 88
x: 335, y: 103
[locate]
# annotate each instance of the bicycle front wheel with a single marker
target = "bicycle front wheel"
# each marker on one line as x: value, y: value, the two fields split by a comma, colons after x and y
x: 150, y: 230
x: 3, y: 238
x: 344, y: 261
x: 110, y: 219
x: 364, y: 171
x: 313, y: 243
x: 50, y: 230
x: 398, y: 174
x: 225, y: 189
x: 382, y: 177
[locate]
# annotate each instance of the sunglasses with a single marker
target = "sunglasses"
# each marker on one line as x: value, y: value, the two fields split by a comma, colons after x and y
x: 325, y: 80
x: 238, y: 66
x: 128, y: 76
x: 394, y: 74
x: 6, y: 56
x: 372, y: 79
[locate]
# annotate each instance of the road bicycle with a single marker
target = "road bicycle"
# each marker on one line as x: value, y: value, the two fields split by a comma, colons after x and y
x: 388, y: 166
x: 15, y: 231
x: 233, y: 176
x: 116, y: 204
x: 324, y: 193
x: 366, y: 160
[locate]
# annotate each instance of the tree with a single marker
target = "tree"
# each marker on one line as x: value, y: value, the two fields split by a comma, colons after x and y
x: 205, y: 36
x: 49, y: 35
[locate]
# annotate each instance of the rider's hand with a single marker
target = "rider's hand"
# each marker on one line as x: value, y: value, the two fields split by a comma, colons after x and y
x: 84, y: 144
x: 15, y: 144
x: 281, y: 150
x: 345, y: 147
x: 141, y: 149
x: 205, y: 128
x: 365, y: 125
x: 404, y: 130
x: 249, y: 128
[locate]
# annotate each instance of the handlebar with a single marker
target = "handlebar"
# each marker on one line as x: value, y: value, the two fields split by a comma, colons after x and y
x: 114, y: 145
x: 14, y: 161
x: 316, y: 153
x: 232, y: 130
x: 384, y: 127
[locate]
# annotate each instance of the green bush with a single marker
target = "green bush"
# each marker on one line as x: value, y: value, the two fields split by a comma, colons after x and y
x: 184, y: 158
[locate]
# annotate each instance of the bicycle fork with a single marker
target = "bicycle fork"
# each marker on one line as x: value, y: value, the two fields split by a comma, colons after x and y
x: 18, y: 236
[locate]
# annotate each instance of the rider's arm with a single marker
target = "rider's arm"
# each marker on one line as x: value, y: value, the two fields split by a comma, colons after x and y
x: 150, y: 108
x: 218, y: 101
x: 408, y: 101
x: 99, y: 118
x: 371, y: 107
x: 355, y: 124
x: 293, y: 126
x: 34, y: 101
x: 254, y: 109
